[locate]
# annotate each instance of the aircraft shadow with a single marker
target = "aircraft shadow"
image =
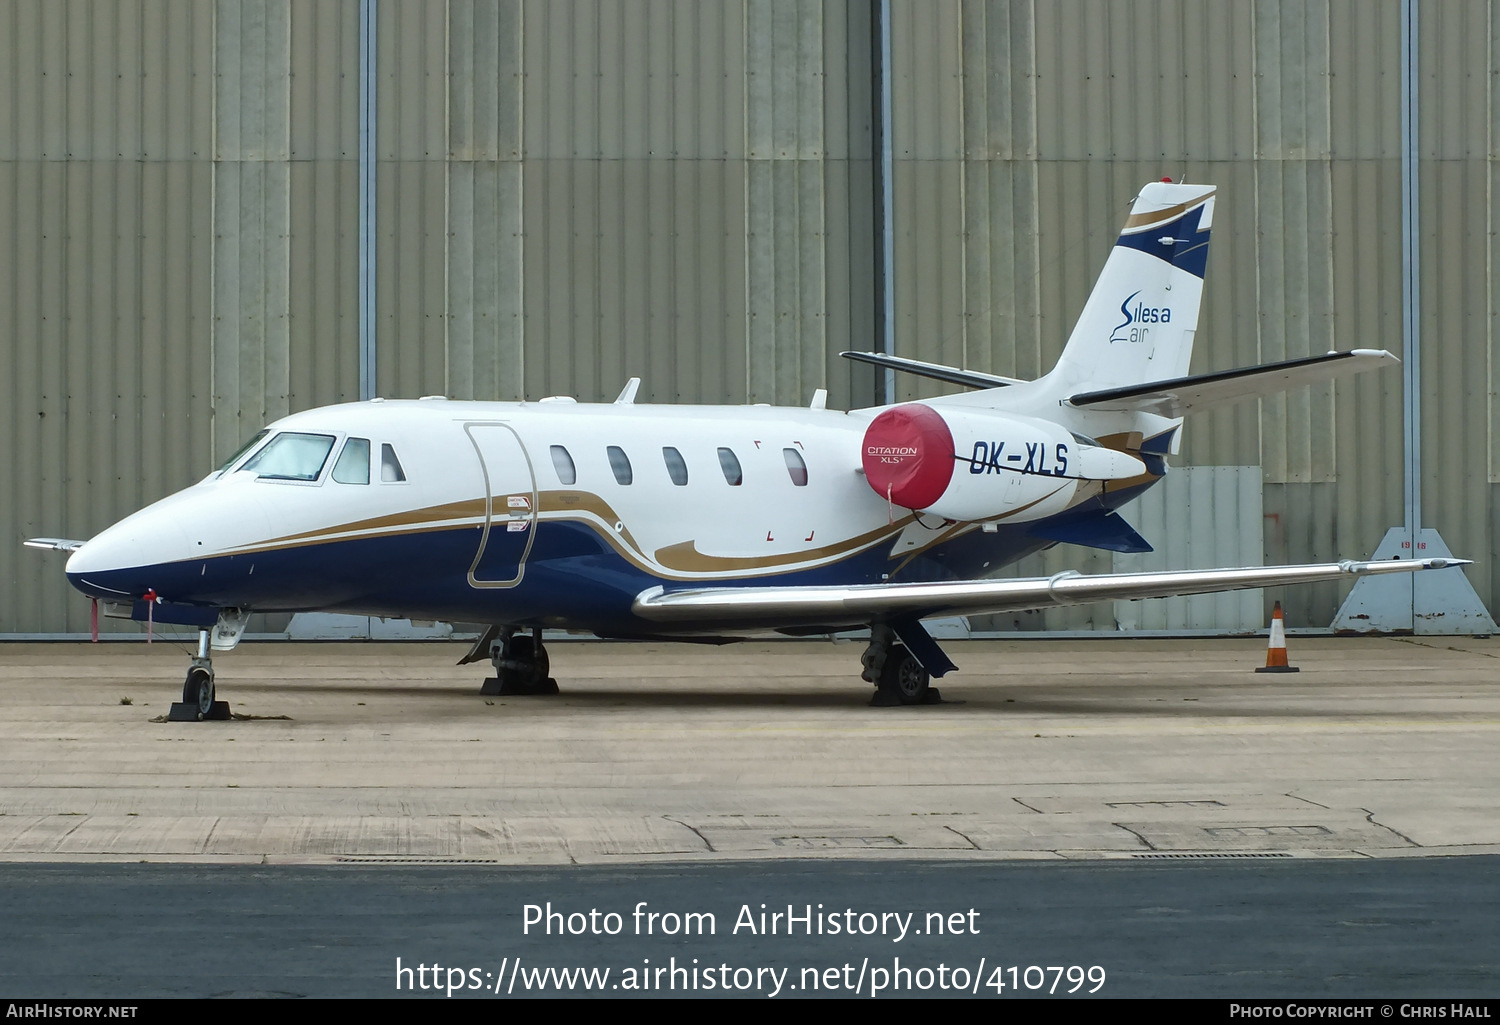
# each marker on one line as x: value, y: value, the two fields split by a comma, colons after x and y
x: 573, y: 697
x: 969, y: 701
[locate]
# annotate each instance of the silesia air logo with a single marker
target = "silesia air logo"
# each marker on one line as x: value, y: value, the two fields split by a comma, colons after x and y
x: 1130, y: 329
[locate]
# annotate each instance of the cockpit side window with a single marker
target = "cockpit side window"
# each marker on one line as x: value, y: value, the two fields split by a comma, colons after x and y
x: 290, y: 456
x: 244, y: 450
x: 390, y: 466
x: 353, y: 466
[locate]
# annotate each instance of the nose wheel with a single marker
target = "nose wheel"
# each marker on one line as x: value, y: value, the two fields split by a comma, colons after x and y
x: 198, y: 702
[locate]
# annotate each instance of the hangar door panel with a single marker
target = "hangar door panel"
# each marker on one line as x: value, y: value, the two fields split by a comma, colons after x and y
x: 510, y: 506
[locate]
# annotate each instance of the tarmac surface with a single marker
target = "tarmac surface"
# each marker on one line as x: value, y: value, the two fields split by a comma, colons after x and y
x: 1046, y: 749
x: 1152, y: 808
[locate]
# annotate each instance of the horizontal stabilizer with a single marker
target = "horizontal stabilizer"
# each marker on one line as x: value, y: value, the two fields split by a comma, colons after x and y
x: 1183, y: 395
x: 54, y: 544
x: 936, y: 371
x: 835, y: 605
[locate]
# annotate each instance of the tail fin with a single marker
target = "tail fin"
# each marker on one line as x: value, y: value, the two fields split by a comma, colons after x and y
x: 1139, y: 321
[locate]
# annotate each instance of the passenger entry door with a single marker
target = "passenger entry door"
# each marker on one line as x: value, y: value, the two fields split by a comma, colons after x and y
x: 510, y: 506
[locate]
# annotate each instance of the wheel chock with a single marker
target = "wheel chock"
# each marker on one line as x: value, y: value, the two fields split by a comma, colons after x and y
x: 494, y: 686
x: 181, y: 712
x: 883, y: 698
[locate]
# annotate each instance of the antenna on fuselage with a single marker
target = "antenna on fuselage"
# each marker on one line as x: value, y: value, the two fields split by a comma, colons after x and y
x: 627, y: 394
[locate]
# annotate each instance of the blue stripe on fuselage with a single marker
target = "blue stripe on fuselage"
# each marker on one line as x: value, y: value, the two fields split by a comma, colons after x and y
x: 573, y: 578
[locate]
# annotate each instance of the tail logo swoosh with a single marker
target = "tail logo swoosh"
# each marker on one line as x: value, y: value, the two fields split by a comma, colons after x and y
x: 1115, y: 335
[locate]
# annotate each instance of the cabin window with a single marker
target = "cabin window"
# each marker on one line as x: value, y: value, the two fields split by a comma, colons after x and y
x: 795, y: 467
x: 390, y: 466
x: 567, y: 473
x: 244, y: 450
x: 676, y: 465
x: 730, y: 464
x: 353, y: 466
x: 619, y: 462
x: 291, y: 456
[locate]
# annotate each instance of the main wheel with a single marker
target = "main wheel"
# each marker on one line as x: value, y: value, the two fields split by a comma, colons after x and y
x: 904, y: 676
x: 525, y: 667
x: 198, y: 691
x: 528, y: 660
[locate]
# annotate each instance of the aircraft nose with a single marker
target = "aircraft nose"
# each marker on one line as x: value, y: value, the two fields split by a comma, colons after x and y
x: 119, y: 561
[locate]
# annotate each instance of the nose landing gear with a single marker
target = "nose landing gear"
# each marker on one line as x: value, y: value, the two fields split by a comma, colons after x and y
x: 198, y: 701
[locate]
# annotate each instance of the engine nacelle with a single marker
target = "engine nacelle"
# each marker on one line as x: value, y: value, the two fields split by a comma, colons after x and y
x: 978, y: 465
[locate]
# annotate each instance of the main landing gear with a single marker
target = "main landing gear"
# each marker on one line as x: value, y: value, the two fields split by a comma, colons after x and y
x: 900, y: 678
x: 198, y: 702
x: 520, y: 661
x: 901, y: 660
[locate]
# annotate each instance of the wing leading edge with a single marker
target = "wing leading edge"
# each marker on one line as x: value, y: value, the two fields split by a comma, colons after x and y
x: 862, y: 603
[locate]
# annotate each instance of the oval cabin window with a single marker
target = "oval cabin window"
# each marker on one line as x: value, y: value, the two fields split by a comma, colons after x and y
x: 730, y: 464
x: 619, y: 462
x: 676, y: 465
x: 795, y: 467
x: 562, y: 462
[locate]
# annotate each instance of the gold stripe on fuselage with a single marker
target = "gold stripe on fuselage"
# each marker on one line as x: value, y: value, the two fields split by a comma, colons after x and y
x: 585, y: 501
x: 680, y: 562
x: 685, y: 556
x: 465, y: 510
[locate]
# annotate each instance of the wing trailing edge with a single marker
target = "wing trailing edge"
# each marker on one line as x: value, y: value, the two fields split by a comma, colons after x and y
x: 750, y: 606
x: 1183, y: 395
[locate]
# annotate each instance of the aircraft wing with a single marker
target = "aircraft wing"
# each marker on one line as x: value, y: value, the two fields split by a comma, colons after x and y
x: 1184, y: 394
x: 54, y: 544
x: 863, y: 603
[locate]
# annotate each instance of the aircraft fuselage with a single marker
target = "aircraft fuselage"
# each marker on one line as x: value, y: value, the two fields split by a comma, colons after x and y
x: 548, y: 514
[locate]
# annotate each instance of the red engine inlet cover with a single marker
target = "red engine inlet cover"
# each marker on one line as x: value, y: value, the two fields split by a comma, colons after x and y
x: 908, y: 455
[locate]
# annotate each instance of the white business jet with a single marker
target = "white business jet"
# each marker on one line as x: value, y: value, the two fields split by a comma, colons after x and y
x: 708, y: 522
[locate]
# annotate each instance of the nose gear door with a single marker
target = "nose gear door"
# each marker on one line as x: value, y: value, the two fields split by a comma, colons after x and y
x: 510, y: 506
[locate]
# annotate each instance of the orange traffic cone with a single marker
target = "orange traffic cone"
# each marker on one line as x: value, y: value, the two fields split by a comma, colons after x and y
x: 1276, y: 651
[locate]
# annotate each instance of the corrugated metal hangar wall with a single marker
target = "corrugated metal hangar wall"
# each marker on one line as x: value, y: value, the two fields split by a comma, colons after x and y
x: 570, y: 192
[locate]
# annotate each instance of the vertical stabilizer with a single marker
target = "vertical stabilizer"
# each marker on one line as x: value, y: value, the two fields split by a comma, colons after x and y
x: 1139, y: 321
